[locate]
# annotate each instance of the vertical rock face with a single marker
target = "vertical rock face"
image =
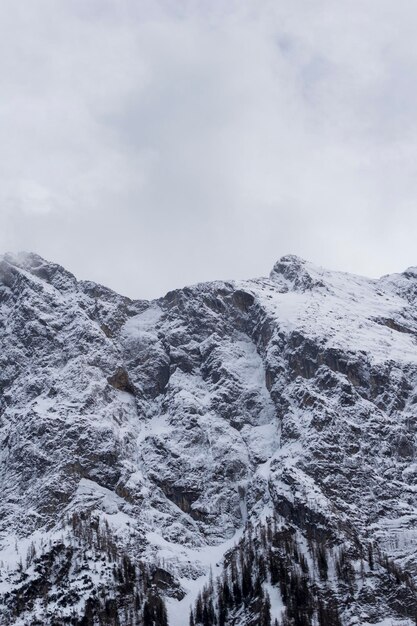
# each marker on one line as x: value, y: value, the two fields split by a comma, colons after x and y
x: 155, y: 433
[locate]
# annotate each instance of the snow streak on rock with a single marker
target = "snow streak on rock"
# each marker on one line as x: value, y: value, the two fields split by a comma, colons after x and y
x: 140, y: 441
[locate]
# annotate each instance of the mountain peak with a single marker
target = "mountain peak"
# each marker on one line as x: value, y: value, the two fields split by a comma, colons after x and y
x: 48, y: 271
x: 297, y: 272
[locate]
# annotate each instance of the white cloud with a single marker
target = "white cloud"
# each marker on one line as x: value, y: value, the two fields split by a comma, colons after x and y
x: 152, y: 144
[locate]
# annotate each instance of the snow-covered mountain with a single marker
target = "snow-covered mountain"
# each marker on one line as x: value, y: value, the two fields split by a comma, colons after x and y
x: 247, y: 449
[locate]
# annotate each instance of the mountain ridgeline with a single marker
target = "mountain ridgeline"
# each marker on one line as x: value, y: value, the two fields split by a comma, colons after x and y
x: 232, y: 454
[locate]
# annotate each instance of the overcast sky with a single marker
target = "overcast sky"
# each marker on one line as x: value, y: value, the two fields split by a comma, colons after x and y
x: 152, y: 144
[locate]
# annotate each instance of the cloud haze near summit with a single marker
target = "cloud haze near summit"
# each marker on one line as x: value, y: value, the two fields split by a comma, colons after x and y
x: 149, y: 145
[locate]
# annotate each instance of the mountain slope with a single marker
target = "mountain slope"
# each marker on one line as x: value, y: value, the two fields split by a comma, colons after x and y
x: 140, y: 441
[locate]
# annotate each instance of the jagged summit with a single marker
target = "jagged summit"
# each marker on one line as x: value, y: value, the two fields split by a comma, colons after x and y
x: 47, y: 271
x: 289, y: 260
x: 411, y: 271
x: 290, y: 271
x: 33, y: 263
x: 143, y: 442
x: 297, y: 273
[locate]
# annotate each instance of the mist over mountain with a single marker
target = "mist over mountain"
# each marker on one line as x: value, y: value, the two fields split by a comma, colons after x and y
x: 233, y: 453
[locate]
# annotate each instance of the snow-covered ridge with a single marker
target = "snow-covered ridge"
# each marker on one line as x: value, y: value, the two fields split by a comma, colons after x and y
x: 174, y: 424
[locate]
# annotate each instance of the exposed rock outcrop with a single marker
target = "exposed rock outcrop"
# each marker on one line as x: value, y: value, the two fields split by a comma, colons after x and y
x: 178, y: 423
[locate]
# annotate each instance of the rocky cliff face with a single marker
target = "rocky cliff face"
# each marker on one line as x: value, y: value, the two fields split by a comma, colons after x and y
x: 140, y: 441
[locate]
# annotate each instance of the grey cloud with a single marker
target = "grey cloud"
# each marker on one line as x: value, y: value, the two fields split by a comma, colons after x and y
x: 148, y: 145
